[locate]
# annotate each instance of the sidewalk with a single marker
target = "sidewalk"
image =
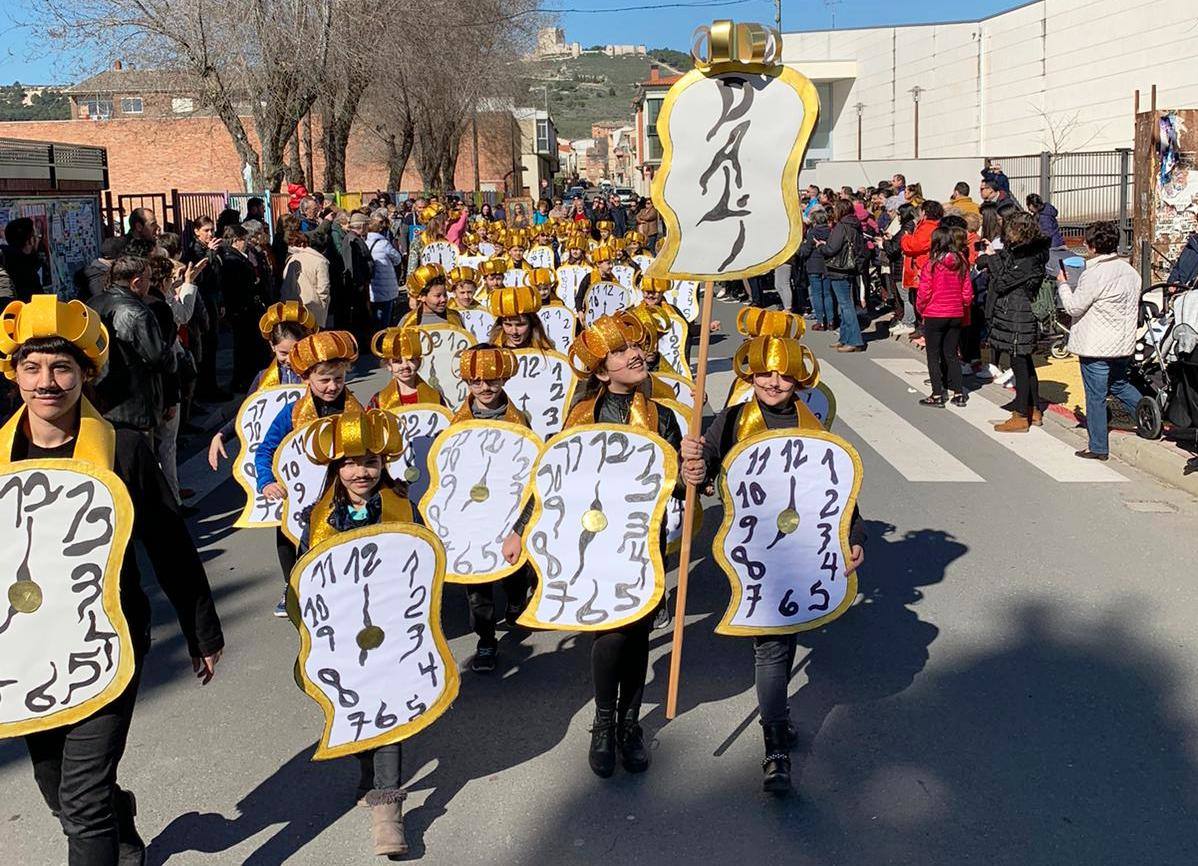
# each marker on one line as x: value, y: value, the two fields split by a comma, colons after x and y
x: 1061, y: 386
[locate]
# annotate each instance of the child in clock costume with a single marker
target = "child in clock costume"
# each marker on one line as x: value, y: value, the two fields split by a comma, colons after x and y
x: 485, y: 368
x: 400, y: 351
x: 774, y: 362
x: 322, y: 360
x: 51, y: 349
x: 428, y: 292
x: 517, y: 325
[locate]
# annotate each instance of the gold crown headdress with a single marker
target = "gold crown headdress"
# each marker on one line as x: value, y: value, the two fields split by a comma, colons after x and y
x: 462, y: 274
x: 420, y: 279
x: 576, y: 242
x: 757, y: 322
x: 655, y: 322
x: 514, y: 300
x: 603, y: 225
x: 355, y: 434
x: 602, y: 253
x: 783, y: 355
x: 392, y: 344
x: 489, y: 362
x: 46, y: 316
x: 656, y: 284
x: 491, y: 267
x: 321, y: 348
x: 471, y: 239
x: 606, y: 334
x: 286, y: 311
x: 542, y: 277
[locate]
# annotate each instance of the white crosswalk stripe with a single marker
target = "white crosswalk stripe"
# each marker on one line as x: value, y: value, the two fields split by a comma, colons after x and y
x: 1047, y: 453
x: 913, y: 454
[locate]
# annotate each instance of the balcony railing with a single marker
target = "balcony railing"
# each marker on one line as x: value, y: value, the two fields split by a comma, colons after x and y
x: 40, y: 166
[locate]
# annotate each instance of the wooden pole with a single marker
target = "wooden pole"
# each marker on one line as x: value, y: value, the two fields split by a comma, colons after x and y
x: 692, y: 494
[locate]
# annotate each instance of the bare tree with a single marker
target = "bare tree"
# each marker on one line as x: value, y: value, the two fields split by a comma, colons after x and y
x: 264, y: 59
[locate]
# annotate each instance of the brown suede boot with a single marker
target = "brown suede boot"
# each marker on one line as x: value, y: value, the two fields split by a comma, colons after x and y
x: 386, y: 822
x: 1017, y: 423
x: 1037, y: 418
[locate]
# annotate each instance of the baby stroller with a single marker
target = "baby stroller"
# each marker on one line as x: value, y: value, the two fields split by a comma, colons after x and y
x: 1165, y: 362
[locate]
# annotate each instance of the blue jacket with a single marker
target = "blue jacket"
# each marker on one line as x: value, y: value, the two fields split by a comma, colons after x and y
x: 1049, y: 227
x: 264, y: 457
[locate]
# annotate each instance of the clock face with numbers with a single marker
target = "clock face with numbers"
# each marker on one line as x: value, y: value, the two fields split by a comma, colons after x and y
x: 671, y: 345
x: 569, y: 278
x: 515, y: 277
x: 594, y: 537
x: 540, y: 257
x: 684, y: 295
x: 367, y: 604
x: 419, y: 425
x: 683, y: 388
x: 440, y: 364
x: 301, y: 477
x: 253, y: 420
x: 604, y: 299
x: 478, y: 322
x: 560, y: 324
x: 820, y: 400
x: 441, y: 253
x: 625, y: 275
x: 65, y: 647
x: 481, y: 472
x: 784, y: 541
x: 543, y: 389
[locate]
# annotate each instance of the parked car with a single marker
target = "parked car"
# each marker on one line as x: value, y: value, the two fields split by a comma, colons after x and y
x: 627, y: 195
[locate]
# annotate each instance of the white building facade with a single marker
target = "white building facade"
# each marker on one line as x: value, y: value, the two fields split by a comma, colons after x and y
x: 1055, y: 75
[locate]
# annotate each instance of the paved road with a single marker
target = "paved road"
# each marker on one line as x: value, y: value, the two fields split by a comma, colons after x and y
x: 1017, y: 685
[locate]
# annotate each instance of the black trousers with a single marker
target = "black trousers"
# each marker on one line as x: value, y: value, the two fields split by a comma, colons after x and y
x: 287, y: 555
x: 943, y: 336
x: 774, y: 656
x: 379, y: 769
x: 620, y: 663
x: 75, y: 767
x: 481, y: 599
x: 210, y: 341
x: 1027, y: 384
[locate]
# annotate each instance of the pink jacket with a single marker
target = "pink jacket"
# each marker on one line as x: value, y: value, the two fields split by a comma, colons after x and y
x: 454, y: 233
x: 944, y: 292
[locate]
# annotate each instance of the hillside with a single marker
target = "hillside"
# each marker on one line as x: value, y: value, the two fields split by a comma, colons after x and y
x: 588, y: 89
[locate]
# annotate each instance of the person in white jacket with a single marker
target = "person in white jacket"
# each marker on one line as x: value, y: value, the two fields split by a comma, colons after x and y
x: 306, y: 277
x: 384, y: 285
x: 1105, y: 309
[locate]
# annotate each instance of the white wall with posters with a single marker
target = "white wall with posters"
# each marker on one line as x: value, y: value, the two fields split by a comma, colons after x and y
x: 1006, y: 84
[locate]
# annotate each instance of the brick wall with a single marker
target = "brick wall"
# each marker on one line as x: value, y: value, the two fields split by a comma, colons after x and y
x: 196, y: 153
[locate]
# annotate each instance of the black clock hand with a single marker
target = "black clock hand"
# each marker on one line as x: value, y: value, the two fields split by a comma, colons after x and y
x: 24, y: 596
x: 788, y: 520
x: 595, y: 514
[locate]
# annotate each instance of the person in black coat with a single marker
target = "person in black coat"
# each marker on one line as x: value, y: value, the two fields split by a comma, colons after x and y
x: 811, y: 254
x: 243, y: 293
x: 1016, y: 273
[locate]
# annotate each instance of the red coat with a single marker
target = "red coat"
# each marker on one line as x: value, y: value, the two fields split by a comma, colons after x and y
x: 916, y: 247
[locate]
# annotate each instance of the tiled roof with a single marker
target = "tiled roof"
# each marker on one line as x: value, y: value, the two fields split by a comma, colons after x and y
x: 135, y: 81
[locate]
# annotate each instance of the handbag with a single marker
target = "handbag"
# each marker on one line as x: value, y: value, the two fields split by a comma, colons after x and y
x: 845, y: 259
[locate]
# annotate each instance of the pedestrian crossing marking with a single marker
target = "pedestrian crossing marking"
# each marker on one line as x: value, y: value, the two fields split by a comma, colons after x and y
x: 912, y: 453
x: 1047, y: 453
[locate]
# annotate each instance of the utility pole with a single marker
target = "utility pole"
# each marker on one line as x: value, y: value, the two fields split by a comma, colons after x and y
x: 860, y: 106
x: 832, y: 4
x: 778, y: 15
x: 915, y: 92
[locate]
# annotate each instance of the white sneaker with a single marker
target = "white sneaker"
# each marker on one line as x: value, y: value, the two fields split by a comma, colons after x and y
x: 1005, y: 378
x: 996, y: 372
x: 899, y: 329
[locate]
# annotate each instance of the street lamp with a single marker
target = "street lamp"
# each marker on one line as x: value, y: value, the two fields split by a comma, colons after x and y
x: 860, y: 106
x: 915, y: 92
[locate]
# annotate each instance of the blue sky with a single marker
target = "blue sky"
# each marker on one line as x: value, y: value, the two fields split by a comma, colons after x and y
x: 25, y: 56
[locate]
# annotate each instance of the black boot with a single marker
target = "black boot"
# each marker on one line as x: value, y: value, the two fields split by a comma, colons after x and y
x: 633, y: 754
x: 777, y: 759
x: 132, y: 848
x: 603, y: 742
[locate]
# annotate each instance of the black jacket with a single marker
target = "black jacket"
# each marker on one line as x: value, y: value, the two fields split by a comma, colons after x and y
x: 1015, y: 278
x: 243, y: 296
x: 847, y: 231
x: 1185, y: 270
x: 129, y: 393
x: 159, y: 527
x: 170, y: 332
x: 20, y: 274
x: 811, y: 254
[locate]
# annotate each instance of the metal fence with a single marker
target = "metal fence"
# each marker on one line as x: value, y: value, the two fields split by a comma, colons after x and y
x: 1084, y: 187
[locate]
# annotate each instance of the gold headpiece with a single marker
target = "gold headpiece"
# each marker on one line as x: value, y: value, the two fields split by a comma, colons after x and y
x: 428, y: 213
x: 783, y: 355
x: 516, y: 238
x: 583, y: 225
x: 355, y: 434
x: 606, y: 334
x: 420, y: 278
x: 392, y: 344
x: 321, y: 348
x: 46, y: 316
x: 656, y: 284
x: 576, y: 242
x: 725, y: 44
x: 655, y: 322
x: 491, y: 362
x: 493, y: 266
x: 514, y: 301
x: 470, y: 239
x: 602, y: 253
x: 604, y: 225
x: 463, y: 274
x: 541, y: 277
x: 286, y: 311
x: 756, y: 322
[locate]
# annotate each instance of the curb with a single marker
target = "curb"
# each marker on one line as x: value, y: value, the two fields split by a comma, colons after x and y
x: 1163, y: 461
